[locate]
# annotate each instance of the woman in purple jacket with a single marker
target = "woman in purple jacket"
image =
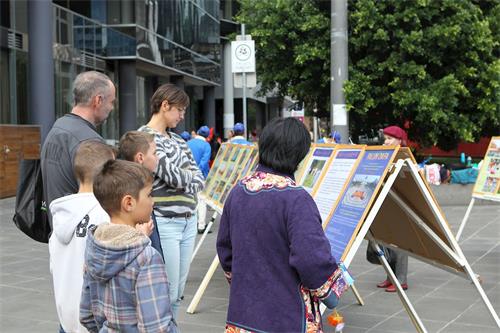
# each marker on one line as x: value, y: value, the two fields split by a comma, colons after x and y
x: 271, y: 244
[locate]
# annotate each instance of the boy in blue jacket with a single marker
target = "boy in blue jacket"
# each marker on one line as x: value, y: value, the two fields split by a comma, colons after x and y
x: 125, y: 287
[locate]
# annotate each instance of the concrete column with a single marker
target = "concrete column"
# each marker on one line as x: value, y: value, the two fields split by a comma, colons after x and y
x: 209, y: 105
x: 228, y: 91
x: 179, y: 82
x: 41, y: 90
x: 127, y: 95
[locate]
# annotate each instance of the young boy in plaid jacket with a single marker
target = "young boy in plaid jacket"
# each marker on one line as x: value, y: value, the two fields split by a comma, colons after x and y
x: 125, y: 287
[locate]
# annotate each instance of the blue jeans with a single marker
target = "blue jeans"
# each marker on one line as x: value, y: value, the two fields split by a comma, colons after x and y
x: 177, y: 236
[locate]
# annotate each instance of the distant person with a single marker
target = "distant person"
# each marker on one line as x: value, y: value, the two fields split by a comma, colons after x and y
x: 186, y: 136
x: 253, y: 136
x: 125, y: 286
x: 72, y: 216
x: 271, y: 244
x: 140, y: 147
x: 393, y: 136
x: 230, y: 135
x: 215, y: 141
x: 239, y: 132
x: 335, y: 137
x: 176, y: 185
x: 201, y: 149
x: 93, y: 101
x: 201, y: 152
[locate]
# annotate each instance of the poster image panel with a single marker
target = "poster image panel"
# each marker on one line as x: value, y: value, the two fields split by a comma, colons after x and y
x: 335, y: 179
x: 315, y: 166
x: 487, y: 185
x: 302, y: 165
x: 233, y: 171
x: 250, y: 163
x: 212, y: 175
x: 218, y: 191
x: 230, y: 149
x: 357, y: 198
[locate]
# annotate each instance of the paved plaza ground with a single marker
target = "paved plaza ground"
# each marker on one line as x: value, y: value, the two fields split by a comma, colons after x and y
x: 445, y: 302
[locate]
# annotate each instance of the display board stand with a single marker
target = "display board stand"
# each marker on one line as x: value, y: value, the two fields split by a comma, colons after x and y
x: 205, y: 233
x: 466, y: 217
x: 450, y: 248
x: 487, y: 186
x: 417, y: 322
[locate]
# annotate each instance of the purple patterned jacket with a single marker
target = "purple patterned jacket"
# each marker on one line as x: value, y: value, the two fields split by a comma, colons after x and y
x: 271, y: 240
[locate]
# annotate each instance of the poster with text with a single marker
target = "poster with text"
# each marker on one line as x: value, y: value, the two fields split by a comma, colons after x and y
x: 356, y: 199
x: 488, y: 180
x: 335, y: 179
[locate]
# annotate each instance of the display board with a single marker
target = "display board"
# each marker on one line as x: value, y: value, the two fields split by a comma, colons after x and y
x: 334, y: 180
x: 355, y: 202
x: 315, y: 166
x: 394, y: 225
x: 487, y: 185
x: 231, y: 163
x: 302, y: 165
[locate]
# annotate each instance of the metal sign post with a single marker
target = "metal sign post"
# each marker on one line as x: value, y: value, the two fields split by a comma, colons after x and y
x: 243, y: 63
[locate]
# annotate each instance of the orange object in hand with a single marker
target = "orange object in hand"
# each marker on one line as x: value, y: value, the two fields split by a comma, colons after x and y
x: 335, y: 318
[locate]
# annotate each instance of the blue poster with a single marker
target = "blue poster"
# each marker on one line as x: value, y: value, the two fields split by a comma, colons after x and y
x: 355, y: 200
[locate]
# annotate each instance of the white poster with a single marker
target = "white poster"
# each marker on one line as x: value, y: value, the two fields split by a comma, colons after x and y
x: 336, y: 176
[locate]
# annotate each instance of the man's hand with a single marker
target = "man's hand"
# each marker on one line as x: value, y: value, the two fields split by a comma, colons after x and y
x: 146, y: 228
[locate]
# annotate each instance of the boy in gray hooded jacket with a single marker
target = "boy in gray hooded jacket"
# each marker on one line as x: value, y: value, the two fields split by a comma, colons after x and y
x: 125, y: 286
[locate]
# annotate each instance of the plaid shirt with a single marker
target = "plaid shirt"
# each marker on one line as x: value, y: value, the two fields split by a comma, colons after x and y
x: 125, y: 287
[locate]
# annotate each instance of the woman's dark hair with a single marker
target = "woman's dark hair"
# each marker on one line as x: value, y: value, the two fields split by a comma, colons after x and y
x: 283, y: 144
x: 172, y: 94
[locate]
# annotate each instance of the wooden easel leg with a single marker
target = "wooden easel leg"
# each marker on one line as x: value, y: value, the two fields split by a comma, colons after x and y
x: 357, y: 295
x: 466, y: 217
x: 203, y: 286
x: 202, y: 239
x: 402, y: 295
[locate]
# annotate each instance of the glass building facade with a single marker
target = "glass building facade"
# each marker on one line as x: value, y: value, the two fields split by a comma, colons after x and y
x: 165, y: 41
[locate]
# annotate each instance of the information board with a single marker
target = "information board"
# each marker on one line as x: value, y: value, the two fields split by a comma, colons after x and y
x: 334, y: 180
x: 355, y: 202
x: 231, y: 163
x: 315, y: 167
x: 487, y: 185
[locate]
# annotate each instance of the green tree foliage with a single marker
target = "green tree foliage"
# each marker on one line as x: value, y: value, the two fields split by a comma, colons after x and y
x: 432, y: 65
x: 292, y: 47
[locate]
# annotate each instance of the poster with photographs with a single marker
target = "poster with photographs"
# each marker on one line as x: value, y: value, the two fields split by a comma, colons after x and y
x: 488, y: 180
x: 229, y: 166
x: 251, y: 163
x: 302, y: 165
x: 315, y: 166
x: 214, y: 169
x: 232, y: 172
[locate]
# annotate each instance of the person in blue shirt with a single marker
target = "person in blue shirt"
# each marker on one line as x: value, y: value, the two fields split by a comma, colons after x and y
x: 239, y: 132
x: 201, y: 149
x: 201, y: 153
x: 334, y: 138
x: 186, y: 136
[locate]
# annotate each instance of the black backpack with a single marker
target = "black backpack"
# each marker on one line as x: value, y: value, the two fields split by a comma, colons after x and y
x: 31, y: 212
